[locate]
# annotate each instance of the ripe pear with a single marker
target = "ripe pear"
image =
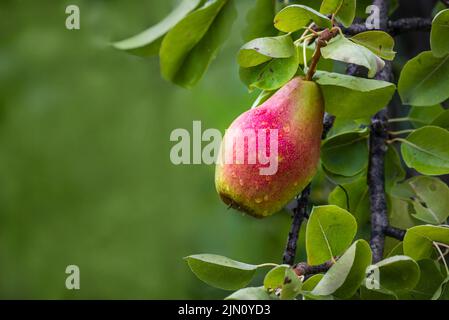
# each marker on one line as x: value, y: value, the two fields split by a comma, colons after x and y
x: 296, y: 113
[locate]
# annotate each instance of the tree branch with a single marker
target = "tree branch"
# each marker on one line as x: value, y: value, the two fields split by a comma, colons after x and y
x: 395, y: 27
x: 299, y: 214
x: 377, y: 150
x: 409, y: 24
x: 304, y: 269
x: 395, y: 233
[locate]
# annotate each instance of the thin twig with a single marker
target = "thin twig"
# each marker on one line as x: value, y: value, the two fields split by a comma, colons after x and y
x: 321, y: 42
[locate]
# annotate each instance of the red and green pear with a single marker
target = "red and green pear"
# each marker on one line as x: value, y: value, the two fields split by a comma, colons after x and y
x: 295, y: 113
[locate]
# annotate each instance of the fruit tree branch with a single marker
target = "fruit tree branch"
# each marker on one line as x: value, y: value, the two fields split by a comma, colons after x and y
x: 299, y: 214
x: 395, y: 233
x: 304, y: 269
x: 377, y: 150
x: 395, y: 27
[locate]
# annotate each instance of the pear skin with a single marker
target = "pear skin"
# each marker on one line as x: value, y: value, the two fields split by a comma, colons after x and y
x: 295, y: 112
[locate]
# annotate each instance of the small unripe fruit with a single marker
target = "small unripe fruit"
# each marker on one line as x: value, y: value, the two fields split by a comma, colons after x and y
x: 296, y: 113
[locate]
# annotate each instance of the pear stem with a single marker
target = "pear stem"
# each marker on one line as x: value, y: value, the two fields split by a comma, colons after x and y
x: 322, y: 40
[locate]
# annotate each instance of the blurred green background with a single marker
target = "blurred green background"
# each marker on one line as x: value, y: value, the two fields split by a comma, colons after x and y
x: 85, y: 172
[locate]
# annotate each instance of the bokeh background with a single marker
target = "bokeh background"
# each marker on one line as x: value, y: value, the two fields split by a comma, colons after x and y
x: 85, y: 173
x: 86, y: 177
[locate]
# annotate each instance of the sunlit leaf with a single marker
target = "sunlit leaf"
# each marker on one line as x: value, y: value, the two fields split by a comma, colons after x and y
x: 257, y: 293
x: 291, y: 286
x: 295, y: 17
x: 347, y: 274
x: 274, y: 279
x: 398, y: 273
x: 261, y: 50
x: 270, y: 75
x: 342, y: 49
x: 425, y: 115
x: 379, y: 42
x: 190, y: 46
x: 439, y: 36
x: 346, y: 153
x: 330, y: 231
x: 221, y: 272
x: 426, y: 150
x: 424, y: 80
x: 419, y: 240
x: 344, y: 9
x: 149, y: 41
x: 351, y: 97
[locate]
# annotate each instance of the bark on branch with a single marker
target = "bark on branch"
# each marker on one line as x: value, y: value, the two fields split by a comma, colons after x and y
x: 304, y: 269
x: 395, y: 233
x: 377, y: 149
x: 299, y: 214
x: 395, y: 27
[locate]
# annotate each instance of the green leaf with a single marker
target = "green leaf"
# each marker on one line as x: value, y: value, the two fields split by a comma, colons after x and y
x: 221, y: 272
x: 429, y: 198
x: 346, y: 154
x: 379, y: 42
x: 439, y: 36
x: 261, y: 50
x: 429, y: 282
x: 394, y: 171
x: 311, y: 283
x: 426, y: 150
x: 442, y: 120
x: 339, y: 179
x: 292, y: 285
x: 190, y: 46
x: 258, y: 293
x: 442, y: 288
x: 270, y: 75
x: 399, y: 212
x: 342, y: 49
x: 260, y: 20
x: 425, y: 115
x: 424, y: 81
x: 349, y: 97
x: 295, y: 17
x: 347, y: 274
x: 418, y: 241
x: 367, y: 294
x: 358, y: 195
x: 344, y: 10
x: 398, y: 250
x: 342, y: 125
x: 330, y: 231
x: 398, y: 273
x: 148, y: 42
x: 274, y: 279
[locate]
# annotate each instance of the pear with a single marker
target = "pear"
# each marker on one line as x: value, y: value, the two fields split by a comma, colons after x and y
x: 295, y: 114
